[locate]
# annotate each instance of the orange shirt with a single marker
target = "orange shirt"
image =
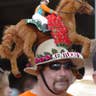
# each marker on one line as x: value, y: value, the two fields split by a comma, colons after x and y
x: 29, y: 93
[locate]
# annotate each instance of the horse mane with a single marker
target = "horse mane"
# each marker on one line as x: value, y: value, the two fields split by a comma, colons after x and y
x: 8, y: 34
x: 60, y: 5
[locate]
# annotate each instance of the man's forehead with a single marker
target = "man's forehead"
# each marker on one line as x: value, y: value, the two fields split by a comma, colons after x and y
x: 64, y: 60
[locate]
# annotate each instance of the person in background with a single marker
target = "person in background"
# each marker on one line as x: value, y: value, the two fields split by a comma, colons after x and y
x: 27, y: 82
x: 57, y: 69
x: 5, y: 90
x: 94, y: 67
x: 40, y: 13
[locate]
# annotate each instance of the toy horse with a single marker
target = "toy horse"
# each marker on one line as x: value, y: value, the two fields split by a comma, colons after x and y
x: 67, y: 10
x: 25, y: 35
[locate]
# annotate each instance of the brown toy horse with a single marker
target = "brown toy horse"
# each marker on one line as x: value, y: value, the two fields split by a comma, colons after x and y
x: 25, y: 35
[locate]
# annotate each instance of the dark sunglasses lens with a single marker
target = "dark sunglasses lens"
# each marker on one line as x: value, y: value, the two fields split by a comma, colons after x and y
x: 68, y: 65
x: 55, y: 66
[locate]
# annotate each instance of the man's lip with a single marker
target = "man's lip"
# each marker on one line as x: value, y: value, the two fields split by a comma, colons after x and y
x: 61, y: 82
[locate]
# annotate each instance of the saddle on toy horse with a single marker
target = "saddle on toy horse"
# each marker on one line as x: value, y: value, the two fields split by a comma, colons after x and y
x: 58, y: 30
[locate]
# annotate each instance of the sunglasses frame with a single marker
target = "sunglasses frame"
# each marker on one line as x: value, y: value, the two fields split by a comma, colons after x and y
x: 56, y: 65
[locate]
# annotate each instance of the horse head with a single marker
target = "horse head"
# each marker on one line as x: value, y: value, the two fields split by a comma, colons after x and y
x: 84, y: 7
x: 75, y: 6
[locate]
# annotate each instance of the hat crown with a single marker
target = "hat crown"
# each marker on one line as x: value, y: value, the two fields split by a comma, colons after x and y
x: 48, y: 51
x: 50, y: 47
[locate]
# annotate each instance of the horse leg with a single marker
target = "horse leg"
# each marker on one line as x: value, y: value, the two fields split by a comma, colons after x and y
x: 14, y: 67
x: 15, y: 53
x: 84, y: 41
x: 29, y: 41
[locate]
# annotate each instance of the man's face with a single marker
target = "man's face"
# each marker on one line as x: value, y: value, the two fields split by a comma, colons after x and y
x: 59, y: 76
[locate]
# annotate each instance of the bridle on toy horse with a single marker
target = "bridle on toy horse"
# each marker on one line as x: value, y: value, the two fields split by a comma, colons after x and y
x: 80, y: 9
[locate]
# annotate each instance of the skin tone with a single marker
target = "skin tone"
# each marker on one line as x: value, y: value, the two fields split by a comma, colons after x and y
x: 5, y: 90
x: 94, y: 77
x: 58, y: 81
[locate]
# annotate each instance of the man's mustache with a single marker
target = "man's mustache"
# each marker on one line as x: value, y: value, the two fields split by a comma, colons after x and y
x: 62, y: 79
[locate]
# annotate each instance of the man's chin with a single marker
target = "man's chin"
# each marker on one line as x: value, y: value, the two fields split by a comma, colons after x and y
x: 60, y: 89
x: 61, y: 86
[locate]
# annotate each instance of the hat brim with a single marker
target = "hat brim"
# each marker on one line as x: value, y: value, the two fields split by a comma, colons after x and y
x: 78, y: 62
x: 30, y: 71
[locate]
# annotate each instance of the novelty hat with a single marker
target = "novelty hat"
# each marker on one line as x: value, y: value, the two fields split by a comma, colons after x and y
x: 48, y: 51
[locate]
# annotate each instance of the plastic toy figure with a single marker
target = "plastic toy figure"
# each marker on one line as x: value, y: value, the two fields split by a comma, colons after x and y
x: 39, y: 14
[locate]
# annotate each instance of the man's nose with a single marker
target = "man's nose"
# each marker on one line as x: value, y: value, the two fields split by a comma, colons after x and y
x: 63, y: 71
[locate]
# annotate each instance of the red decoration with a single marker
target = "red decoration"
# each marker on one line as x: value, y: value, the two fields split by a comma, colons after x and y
x: 59, y: 30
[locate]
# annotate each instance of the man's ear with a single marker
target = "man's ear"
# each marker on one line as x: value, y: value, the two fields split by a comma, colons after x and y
x: 77, y: 74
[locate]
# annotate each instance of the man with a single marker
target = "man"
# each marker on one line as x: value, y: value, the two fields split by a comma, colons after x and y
x: 40, y: 12
x: 57, y: 69
x: 5, y: 90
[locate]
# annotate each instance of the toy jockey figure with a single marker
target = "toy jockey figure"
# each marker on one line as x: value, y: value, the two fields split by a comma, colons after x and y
x: 39, y: 14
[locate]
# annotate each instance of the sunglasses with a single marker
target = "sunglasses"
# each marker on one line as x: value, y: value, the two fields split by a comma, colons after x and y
x: 57, y: 65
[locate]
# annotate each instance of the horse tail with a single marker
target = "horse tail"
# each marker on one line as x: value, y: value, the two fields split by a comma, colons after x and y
x: 7, y: 41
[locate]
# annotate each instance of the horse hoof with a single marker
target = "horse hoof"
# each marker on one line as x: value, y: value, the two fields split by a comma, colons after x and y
x: 18, y: 75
